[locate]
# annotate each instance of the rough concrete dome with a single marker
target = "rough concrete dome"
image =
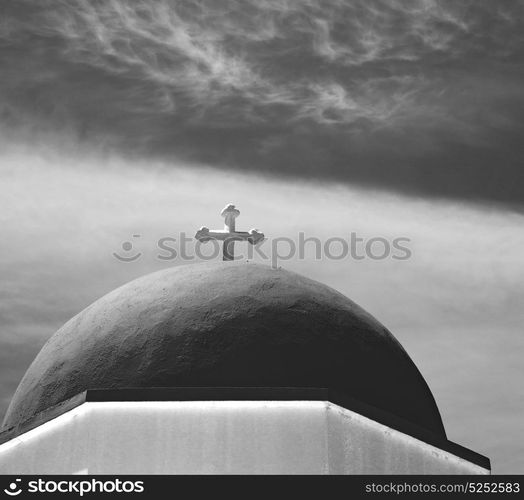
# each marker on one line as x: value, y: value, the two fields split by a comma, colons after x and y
x: 226, y: 325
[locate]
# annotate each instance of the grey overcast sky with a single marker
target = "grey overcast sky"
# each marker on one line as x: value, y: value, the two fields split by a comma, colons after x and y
x: 389, y: 118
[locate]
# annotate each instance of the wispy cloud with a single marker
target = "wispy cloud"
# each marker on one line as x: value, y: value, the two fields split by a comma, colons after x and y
x: 323, y: 89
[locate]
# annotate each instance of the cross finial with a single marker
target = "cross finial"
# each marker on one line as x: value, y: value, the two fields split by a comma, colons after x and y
x: 229, y: 234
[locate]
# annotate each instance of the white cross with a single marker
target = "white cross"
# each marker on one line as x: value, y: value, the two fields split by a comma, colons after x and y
x: 229, y: 235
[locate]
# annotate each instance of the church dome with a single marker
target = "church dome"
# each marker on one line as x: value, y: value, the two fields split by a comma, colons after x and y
x: 227, y: 325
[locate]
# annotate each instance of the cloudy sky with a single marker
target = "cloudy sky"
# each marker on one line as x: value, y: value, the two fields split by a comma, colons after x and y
x: 384, y: 118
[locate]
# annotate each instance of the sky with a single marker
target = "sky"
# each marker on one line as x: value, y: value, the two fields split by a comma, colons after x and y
x: 384, y: 118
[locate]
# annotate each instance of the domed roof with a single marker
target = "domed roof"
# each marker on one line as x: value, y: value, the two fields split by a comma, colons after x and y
x: 226, y: 325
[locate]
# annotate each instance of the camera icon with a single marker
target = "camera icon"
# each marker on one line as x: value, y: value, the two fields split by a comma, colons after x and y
x: 14, y: 488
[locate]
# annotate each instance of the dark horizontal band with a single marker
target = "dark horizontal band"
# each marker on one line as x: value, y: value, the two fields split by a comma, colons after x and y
x: 249, y: 394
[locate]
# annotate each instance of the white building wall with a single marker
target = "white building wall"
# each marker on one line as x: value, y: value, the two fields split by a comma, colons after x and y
x: 222, y: 437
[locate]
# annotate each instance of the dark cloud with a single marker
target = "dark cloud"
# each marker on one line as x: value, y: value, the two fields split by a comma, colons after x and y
x: 421, y: 96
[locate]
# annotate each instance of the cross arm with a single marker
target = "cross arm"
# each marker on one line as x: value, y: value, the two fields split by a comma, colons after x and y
x: 205, y: 234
